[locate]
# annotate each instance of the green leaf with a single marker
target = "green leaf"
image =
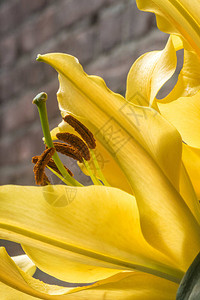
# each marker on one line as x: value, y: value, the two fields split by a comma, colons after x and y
x: 189, y: 288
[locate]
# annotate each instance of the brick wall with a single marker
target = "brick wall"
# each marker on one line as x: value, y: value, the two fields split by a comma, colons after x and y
x: 105, y: 35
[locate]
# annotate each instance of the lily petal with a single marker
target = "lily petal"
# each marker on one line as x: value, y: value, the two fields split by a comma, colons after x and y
x: 149, y: 73
x: 25, y: 263
x: 177, y: 17
x: 188, y: 83
x: 181, y: 106
x: 20, y: 285
x: 187, y: 190
x: 15, y: 284
x: 85, y: 234
x: 184, y: 114
x: 191, y: 159
x: 146, y: 142
x: 84, y: 95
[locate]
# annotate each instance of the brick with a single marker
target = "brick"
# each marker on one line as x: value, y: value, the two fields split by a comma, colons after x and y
x: 80, y: 44
x: 29, y: 7
x: 15, y: 12
x: 8, y: 51
x: 27, y: 38
x: 20, y: 148
x: 26, y: 74
x: 10, y: 15
x: 136, y: 23
x: 19, y: 114
x: 51, y: 89
x: 110, y: 27
x: 113, y: 70
x: 45, y: 26
x: 73, y: 10
x: 37, y: 30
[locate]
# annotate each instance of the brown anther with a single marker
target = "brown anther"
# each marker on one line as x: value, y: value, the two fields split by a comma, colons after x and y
x: 41, y: 164
x: 52, y: 165
x: 84, y: 132
x: 68, y: 151
x: 46, y: 180
x: 76, y: 142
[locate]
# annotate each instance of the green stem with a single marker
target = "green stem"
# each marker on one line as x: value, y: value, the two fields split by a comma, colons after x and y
x: 40, y: 101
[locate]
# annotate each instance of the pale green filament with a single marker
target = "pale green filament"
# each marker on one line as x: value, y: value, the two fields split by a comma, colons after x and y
x: 92, y: 176
x: 40, y: 101
x: 100, y: 174
x: 58, y: 175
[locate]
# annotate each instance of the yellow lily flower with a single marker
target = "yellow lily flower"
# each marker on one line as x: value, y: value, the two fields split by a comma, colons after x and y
x: 133, y: 246
x: 181, y: 106
x: 138, y: 238
x: 180, y: 17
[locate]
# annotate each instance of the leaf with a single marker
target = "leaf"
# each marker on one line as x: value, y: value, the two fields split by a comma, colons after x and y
x: 189, y: 288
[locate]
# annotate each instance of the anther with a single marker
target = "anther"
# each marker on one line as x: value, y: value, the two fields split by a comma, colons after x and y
x: 45, y: 181
x: 52, y: 165
x: 68, y: 151
x: 40, y: 165
x: 84, y: 132
x: 76, y: 142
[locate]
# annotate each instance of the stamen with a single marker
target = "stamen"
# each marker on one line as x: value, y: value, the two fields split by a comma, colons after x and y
x: 68, y: 151
x: 76, y: 142
x: 35, y: 159
x: 101, y: 176
x: 84, y: 132
x: 41, y: 164
x: 52, y: 165
x: 46, y: 180
x: 92, y: 176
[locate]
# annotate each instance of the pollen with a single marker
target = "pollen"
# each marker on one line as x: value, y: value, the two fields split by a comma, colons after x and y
x: 68, y: 151
x: 43, y: 159
x: 76, y: 142
x: 84, y: 132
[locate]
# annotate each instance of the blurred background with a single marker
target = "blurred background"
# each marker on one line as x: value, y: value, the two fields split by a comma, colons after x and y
x: 107, y: 36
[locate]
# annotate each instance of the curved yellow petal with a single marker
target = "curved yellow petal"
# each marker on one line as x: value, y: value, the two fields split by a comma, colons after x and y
x: 188, y: 83
x: 15, y: 284
x: 112, y: 119
x: 181, y: 107
x: 191, y: 159
x: 25, y: 264
x: 84, y: 234
x: 177, y: 17
x: 146, y: 147
x: 132, y: 285
x: 149, y: 73
x: 184, y: 114
x: 188, y: 192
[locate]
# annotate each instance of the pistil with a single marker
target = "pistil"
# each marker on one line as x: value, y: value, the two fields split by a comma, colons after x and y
x: 40, y: 101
